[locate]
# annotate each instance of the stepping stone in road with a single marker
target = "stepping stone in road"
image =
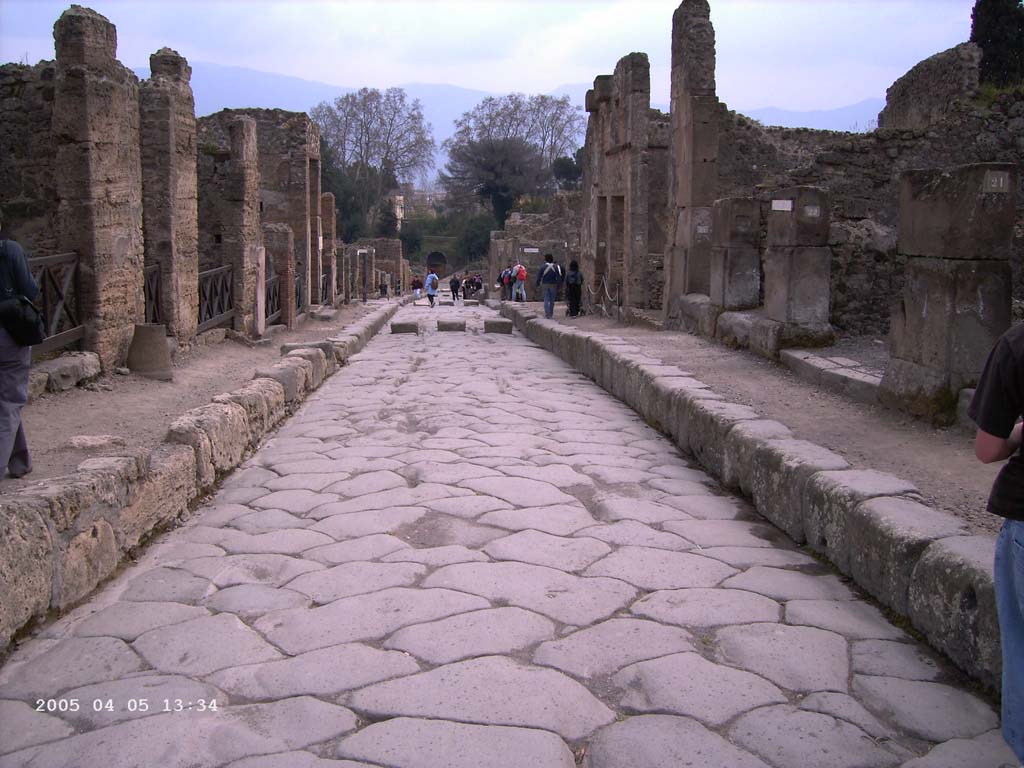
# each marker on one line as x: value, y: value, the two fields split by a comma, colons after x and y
x: 451, y: 325
x: 498, y: 326
x: 405, y: 327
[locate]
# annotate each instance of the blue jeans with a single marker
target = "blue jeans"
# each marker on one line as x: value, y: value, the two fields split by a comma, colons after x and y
x: 550, y: 295
x: 1009, y: 584
x: 519, y: 289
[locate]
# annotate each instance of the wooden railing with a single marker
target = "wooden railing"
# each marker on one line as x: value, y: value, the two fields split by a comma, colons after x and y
x: 216, y: 297
x: 57, y: 278
x: 153, y: 290
x: 272, y: 306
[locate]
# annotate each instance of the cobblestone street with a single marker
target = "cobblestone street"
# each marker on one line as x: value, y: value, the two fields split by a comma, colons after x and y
x: 460, y: 552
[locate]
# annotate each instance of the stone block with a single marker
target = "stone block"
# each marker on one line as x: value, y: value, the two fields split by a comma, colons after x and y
x: 451, y: 326
x: 735, y: 277
x: 806, y: 365
x: 765, y: 336
x: 796, y: 284
x: 497, y: 325
x: 855, y: 385
x: 806, y: 335
x: 886, y: 538
x: 918, y: 390
x: 733, y: 329
x: 89, y: 557
x: 446, y: 303
x: 471, y: 302
x: 962, y: 404
x: 708, y: 426
x: 952, y: 602
x: 294, y: 374
x: 698, y: 314
x: 69, y: 370
x: 798, y: 216
x: 405, y: 327
x: 738, y: 450
x: 828, y: 504
x: 686, y: 392
x: 965, y: 212
x: 264, y: 404
x: 779, y: 471
x: 950, y: 315
x: 26, y: 564
x: 218, y: 433
x: 37, y: 381
x: 736, y: 222
x: 163, y: 496
x: 326, y: 346
x: 320, y: 368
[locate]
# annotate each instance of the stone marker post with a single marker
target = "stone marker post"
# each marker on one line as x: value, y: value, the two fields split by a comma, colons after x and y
x: 735, y: 261
x: 956, y: 230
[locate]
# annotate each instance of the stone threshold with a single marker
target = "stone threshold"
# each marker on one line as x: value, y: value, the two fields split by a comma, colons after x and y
x: 920, y: 562
x: 66, y: 535
x: 840, y: 374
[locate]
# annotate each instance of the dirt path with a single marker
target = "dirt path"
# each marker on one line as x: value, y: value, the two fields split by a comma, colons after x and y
x: 939, y: 461
x: 139, y: 411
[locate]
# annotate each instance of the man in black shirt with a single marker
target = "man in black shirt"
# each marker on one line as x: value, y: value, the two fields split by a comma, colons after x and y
x: 997, y: 405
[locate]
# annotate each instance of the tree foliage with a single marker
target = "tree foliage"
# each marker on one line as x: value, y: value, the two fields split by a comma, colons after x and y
x: 553, y: 125
x: 386, y: 219
x: 997, y: 26
x: 568, y: 171
x: 474, y: 239
x: 496, y: 171
x: 373, y: 141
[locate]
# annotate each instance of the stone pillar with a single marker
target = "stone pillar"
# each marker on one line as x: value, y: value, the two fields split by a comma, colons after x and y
x: 735, y: 260
x: 798, y: 261
x: 169, y: 189
x: 299, y: 215
x: 329, y: 259
x: 280, y: 247
x: 241, y: 224
x: 956, y: 230
x: 99, y: 186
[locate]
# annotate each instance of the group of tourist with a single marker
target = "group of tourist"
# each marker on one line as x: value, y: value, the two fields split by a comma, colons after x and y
x: 466, y: 287
x: 512, y: 282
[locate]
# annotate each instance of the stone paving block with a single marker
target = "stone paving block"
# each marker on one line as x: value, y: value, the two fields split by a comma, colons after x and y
x: 891, y: 659
x: 688, y: 684
x: 323, y: 672
x: 539, y: 548
x: 405, y: 742
x: 795, y: 658
x: 405, y: 327
x: 785, y: 735
x: 849, y: 618
x: 663, y: 741
x: 748, y: 557
x: 562, y: 596
x: 829, y: 502
x: 557, y: 519
x: 355, y: 578
x: 607, y: 647
x: 253, y: 600
x: 782, y: 584
x: 117, y: 694
x: 22, y: 726
x: 843, y: 707
x: 467, y: 506
x: 295, y: 760
x: 806, y: 364
x: 633, y: 533
x: 284, y: 542
x: 952, y: 601
x: 661, y: 569
x: 363, y: 548
x: 887, y: 538
x: 488, y: 632
x: 707, y: 607
x: 267, y: 520
x: 69, y: 663
x: 931, y: 711
x: 363, y: 617
x: 165, y: 584
x: 196, y: 738
x: 391, y: 498
x: 855, y: 385
x: 298, y: 501
x: 727, y: 533
x: 738, y: 450
x: 986, y: 751
x: 129, y: 620
x: 366, y: 523
x: 491, y: 690
x: 522, y: 493
x: 272, y: 569
x: 204, y: 645
x: 614, y: 508
x: 780, y: 469
x: 451, y: 325
x: 436, y: 557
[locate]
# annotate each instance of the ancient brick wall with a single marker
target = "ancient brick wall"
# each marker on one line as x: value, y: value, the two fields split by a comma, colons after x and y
x: 388, y: 252
x: 27, y: 183
x: 930, y: 89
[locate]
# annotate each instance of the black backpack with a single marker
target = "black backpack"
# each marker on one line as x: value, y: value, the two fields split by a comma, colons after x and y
x: 19, y: 316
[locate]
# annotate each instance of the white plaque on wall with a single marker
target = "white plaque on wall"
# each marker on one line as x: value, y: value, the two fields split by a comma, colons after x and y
x: 812, y: 211
x: 782, y: 205
x: 531, y: 250
x: 997, y: 181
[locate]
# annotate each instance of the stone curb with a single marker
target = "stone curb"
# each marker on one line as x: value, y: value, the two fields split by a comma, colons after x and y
x: 843, y: 376
x: 918, y: 561
x: 62, y: 537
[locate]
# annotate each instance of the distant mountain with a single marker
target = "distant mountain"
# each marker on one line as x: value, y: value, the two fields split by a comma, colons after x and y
x: 859, y: 117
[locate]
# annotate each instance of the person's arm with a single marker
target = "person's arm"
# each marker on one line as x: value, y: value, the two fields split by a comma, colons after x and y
x: 989, y: 448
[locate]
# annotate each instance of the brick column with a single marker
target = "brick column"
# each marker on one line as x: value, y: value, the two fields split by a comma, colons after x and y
x: 329, y: 254
x: 241, y: 230
x: 280, y: 247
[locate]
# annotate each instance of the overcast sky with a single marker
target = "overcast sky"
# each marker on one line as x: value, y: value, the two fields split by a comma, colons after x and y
x: 792, y: 54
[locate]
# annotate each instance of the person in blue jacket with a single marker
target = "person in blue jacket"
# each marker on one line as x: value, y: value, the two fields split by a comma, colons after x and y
x: 549, y: 277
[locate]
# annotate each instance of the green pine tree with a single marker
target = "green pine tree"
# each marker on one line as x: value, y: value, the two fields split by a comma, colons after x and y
x: 997, y: 26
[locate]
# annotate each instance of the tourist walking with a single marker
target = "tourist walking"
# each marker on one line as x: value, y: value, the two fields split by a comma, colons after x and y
x: 573, y: 288
x: 417, y: 288
x: 997, y: 404
x: 505, y: 280
x: 431, y: 285
x: 454, y: 285
x: 519, y: 284
x: 15, y: 280
x: 548, y: 279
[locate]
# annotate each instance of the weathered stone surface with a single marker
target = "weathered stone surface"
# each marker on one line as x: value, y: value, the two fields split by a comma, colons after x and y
x: 204, y: 645
x: 87, y: 559
x: 497, y: 325
x: 663, y: 741
x: 738, y: 450
x: 931, y: 711
x: 69, y: 663
x: 219, y: 435
x: 782, y: 584
x: 451, y: 325
x: 253, y: 600
x: 405, y: 327
x: 747, y: 557
x: 796, y: 658
x: 849, y: 618
x: 436, y: 556
x: 69, y: 370
x: 117, y: 693
x: 844, y: 707
x: 369, y: 522
x: 989, y: 750
x: 568, y: 554
x: 165, y: 584
x: 412, y: 743
x: 611, y: 645
x: 688, y: 684
x: 563, y: 597
x: 890, y: 659
x: 557, y: 519
x: 787, y: 736
x: 271, y: 569
x: 26, y: 567
x: 363, y: 617
x: 661, y: 569
x: 295, y: 760
x: 129, y: 620
x: 318, y: 673
x: 491, y: 691
x: 727, y: 533
x: 363, y: 548
x: 22, y: 726
x: 479, y: 633
x: 522, y: 493
x: 633, y: 533
x: 355, y: 578
x: 707, y: 607
x: 614, y: 508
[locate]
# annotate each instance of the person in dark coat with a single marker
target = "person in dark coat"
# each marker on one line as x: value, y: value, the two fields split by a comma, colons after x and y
x: 573, y: 288
x: 15, y: 280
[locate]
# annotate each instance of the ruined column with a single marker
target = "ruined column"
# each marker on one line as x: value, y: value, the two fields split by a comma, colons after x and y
x: 279, y: 245
x: 241, y: 223
x: 735, y: 261
x: 693, y: 177
x: 798, y: 261
x: 99, y: 186
x: 169, y: 189
x: 316, y: 235
x: 956, y: 231
x: 329, y: 254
